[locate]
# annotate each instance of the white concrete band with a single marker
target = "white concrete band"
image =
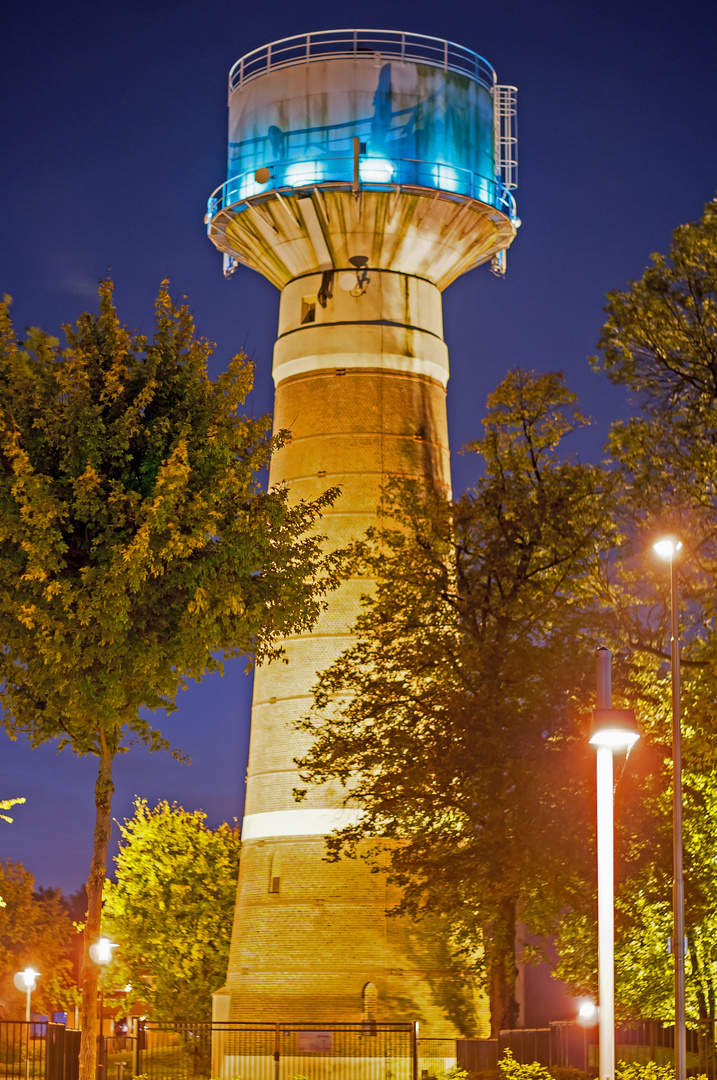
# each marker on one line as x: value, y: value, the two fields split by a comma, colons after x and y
x: 386, y: 361
x: 299, y: 822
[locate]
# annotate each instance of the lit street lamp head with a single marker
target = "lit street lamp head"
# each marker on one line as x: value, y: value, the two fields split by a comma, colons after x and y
x: 667, y: 547
x: 588, y: 1013
x: 101, y: 951
x: 614, y: 728
x: 25, y: 980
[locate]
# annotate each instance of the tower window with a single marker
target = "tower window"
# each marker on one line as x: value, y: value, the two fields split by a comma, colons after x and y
x: 308, y: 309
x: 370, y: 1003
x: 275, y: 874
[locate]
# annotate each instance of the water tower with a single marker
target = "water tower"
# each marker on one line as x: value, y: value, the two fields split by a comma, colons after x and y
x: 367, y: 171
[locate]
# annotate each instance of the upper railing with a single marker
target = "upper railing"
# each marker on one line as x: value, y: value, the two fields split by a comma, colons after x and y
x: 375, y: 174
x: 361, y: 44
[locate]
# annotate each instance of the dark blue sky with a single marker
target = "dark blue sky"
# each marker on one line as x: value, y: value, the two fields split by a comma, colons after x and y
x: 114, y: 135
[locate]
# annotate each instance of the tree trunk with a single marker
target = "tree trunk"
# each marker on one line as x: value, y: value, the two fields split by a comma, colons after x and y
x: 502, y: 972
x: 104, y: 789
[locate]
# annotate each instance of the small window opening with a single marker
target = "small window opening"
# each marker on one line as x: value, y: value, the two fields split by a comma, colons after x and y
x: 275, y: 874
x: 340, y: 370
x: 369, y: 996
x: 308, y: 309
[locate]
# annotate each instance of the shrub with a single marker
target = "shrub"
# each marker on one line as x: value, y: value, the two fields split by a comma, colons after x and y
x: 646, y: 1070
x: 510, y: 1069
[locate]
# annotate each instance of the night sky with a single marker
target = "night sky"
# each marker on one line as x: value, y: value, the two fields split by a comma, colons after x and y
x: 114, y: 135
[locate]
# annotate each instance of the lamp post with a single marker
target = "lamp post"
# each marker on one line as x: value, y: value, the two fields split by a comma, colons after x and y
x: 25, y: 981
x: 101, y: 953
x: 667, y: 548
x: 611, y: 730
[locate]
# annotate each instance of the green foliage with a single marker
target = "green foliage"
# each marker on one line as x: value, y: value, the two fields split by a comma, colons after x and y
x: 510, y: 1069
x: 660, y: 341
x: 35, y: 931
x: 455, y: 720
x: 137, y: 549
x: 136, y: 545
x: 7, y: 804
x: 171, y: 908
x: 647, y: 1070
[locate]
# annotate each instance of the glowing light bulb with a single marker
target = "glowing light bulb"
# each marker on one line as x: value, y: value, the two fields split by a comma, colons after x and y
x: 101, y: 951
x: 668, y: 547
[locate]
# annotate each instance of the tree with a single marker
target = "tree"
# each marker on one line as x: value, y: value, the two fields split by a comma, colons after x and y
x: 660, y: 341
x: 171, y: 908
x: 35, y: 930
x: 137, y: 548
x: 7, y: 804
x: 454, y: 721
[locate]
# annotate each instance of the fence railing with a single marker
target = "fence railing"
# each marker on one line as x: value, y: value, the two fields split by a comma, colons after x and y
x: 361, y: 45
x: 38, y: 1050
x: 569, y: 1044
x: 374, y: 173
x: 365, y: 1051
x: 22, y: 1049
x: 368, y: 1051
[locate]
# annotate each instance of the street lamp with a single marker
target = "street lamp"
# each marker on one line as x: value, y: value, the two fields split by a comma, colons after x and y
x: 25, y: 981
x: 101, y: 953
x: 611, y: 730
x: 667, y: 549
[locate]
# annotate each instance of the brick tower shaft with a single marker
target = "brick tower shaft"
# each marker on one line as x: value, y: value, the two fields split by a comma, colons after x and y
x: 362, y: 182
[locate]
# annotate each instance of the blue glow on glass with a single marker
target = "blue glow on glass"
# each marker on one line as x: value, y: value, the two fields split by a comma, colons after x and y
x: 447, y: 178
x: 303, y: 172
x: 376, y: 171
x: 245, y: 188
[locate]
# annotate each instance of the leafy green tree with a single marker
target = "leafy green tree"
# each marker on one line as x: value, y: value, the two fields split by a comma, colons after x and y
x: 137, y: 549
x: 454, y: 722
x: 660, y: 341
x: 171, y: 908
x: 7, y: 804
x: 36, y: 931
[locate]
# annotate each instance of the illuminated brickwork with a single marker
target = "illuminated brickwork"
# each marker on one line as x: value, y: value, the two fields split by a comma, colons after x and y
x: 310, y: 935
x: 339, y: 194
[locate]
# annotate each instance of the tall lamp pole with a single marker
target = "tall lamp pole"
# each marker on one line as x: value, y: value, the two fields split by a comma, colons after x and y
x: 25, y: 981
x: 101, y: 953
x: 611, y: 730
x: 667, y: 549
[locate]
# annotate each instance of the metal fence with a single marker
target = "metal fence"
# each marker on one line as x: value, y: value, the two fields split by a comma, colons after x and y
x: 436, y: 1057
x: 224, y: 1051
x: 568, y: 1044
x: 366, y: 1051
x: 369, y: 1051
x: 652, y: 1041
x: 361, y: 45
x: 38, y: 1050
x: 22, y: 1049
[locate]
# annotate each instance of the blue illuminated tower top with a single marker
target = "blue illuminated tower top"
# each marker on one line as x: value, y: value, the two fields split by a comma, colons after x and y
x: 366, y: 111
